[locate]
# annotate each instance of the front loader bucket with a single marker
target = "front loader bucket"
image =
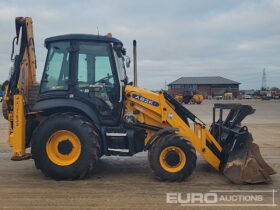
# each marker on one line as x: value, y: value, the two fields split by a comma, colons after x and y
x: 241, y: 161
x: 244, y: 163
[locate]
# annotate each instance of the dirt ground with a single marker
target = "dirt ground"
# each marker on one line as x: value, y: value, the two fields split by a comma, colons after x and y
x: 127, y: 182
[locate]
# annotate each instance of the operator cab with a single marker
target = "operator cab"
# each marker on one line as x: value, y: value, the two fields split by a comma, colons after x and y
x: 87, y: 68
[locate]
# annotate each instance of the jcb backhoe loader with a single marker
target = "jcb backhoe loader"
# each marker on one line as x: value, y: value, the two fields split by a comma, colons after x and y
x: 84, y: 108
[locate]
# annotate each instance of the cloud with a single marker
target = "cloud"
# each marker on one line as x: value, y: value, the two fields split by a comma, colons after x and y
x: 235, y: 39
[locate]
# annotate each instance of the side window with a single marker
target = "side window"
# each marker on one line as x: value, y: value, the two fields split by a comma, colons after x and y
x: 94, y: 66
x: 103, y: 64
x: 82, y: 74
x: 56, y: 72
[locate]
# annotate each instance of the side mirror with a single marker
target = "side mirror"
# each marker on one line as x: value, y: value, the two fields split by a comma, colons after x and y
x: 127, y: 62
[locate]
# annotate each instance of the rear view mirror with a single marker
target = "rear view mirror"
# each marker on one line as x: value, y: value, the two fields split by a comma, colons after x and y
x: 127, y: 62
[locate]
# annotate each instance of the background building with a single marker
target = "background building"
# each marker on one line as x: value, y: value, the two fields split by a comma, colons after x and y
x: 207, y: 86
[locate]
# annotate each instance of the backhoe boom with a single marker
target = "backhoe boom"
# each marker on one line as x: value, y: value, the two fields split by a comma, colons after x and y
x: 18, y: 90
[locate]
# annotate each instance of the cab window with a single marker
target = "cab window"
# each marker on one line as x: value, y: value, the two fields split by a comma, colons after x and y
x: 56, y: 73
x: 96, y: 74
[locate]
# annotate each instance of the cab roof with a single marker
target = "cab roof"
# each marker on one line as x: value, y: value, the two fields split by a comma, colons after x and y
x: 82, y: 37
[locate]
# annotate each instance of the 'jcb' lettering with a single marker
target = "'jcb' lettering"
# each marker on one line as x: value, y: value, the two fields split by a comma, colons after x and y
x: 145, y: 100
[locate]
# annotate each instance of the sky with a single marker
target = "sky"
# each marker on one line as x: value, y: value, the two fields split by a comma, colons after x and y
x: 235, y: 39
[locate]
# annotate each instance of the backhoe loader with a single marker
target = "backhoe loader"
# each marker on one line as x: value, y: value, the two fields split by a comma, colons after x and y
x: 189, y: 97
x: 84, y: 108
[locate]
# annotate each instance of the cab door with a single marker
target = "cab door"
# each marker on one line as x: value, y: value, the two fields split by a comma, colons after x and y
x: 97, y: 80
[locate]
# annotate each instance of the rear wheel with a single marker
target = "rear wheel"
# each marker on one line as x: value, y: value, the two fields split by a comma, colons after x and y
x: 172, y: 158
x: 192, y: 101
x: 65, y: 146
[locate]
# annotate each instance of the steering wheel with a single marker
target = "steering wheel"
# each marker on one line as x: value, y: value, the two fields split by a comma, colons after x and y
x: 105, y: 79
x: 100, y: 103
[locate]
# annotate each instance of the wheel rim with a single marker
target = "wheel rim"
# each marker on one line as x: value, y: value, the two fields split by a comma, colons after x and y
x: 63, y: 148
x: 172, y: 159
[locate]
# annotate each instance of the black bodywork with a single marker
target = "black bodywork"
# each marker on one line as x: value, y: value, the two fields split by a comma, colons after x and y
x: 72, y: 98
x: 117, y: 137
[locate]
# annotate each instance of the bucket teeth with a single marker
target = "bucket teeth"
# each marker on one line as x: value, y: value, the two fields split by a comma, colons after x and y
x: 249, y: 167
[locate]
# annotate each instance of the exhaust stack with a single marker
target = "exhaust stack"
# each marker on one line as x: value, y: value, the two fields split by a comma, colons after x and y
x: 134, y: 63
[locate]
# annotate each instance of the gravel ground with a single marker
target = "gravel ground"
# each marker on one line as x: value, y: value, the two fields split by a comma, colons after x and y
x: 127, y: 182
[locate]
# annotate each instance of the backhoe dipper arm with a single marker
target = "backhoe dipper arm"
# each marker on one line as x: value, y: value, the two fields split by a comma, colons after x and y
x: 26, y: 57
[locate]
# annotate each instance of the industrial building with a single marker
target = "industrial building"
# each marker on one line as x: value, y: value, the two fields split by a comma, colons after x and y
x: 207, y: 86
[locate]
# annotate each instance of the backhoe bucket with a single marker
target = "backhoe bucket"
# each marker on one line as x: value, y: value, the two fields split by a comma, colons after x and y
x: 241, y: 161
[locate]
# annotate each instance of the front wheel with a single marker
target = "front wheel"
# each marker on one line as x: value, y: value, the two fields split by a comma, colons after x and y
x: 192, y: 101
x: 172, y: 158
x: 65, y: 146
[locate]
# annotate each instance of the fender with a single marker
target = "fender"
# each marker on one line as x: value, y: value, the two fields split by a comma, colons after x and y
x: 157, y: 134
x: 49, y: 104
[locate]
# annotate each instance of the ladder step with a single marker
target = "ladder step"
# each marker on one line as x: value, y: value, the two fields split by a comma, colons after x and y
x: 116, y: 134
x: 118, y: 150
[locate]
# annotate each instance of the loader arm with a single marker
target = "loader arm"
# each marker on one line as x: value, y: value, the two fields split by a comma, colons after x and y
x: 231, y: 151
x: 155, y: 110
x: 17, y: 89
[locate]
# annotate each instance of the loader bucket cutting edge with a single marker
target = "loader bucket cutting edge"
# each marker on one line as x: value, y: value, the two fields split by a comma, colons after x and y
x: 245, y: 163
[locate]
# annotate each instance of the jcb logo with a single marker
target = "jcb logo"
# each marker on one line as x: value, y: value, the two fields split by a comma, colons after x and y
x: 145, y: 100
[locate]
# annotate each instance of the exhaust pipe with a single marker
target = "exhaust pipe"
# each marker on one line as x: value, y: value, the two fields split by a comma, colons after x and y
x: 134, y: 63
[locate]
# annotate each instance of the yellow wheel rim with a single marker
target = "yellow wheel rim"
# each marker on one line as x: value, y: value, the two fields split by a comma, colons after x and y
x: 172, y: 159
x: 63, y: 148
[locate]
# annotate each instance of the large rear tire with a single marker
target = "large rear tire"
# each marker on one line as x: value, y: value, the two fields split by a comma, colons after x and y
x: 172, y: 158
x: 65, y: 146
